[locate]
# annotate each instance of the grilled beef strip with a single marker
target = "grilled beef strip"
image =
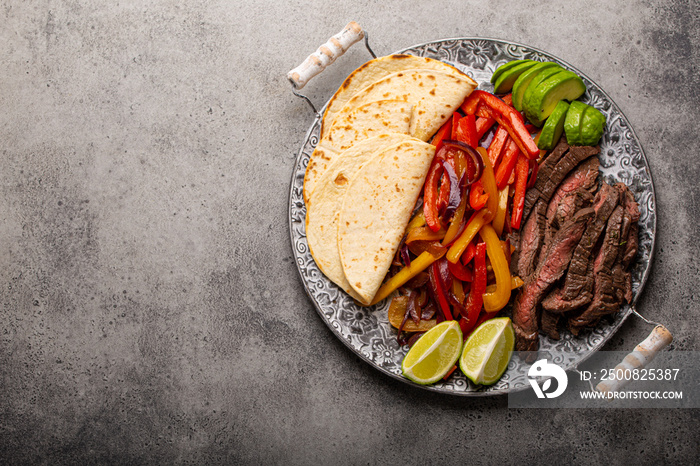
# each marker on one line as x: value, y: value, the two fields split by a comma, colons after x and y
x: 531, y: 240
x: 632, y: 239
x: 568, y: 205
x: 552, y: 265
x: 564, y: 166
x: 549, y: 323
x: 605, y: 300
x: 578, y: 285
x: 543, y: 174
x: 584, y: 176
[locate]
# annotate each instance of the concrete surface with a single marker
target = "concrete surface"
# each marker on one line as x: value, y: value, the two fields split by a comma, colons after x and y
x: 151, y: 311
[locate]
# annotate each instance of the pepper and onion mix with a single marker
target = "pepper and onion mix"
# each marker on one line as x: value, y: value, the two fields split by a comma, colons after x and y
x: 453, y: 262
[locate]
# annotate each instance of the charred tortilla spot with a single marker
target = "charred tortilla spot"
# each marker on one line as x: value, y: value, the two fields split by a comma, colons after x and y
x: 341, y: 180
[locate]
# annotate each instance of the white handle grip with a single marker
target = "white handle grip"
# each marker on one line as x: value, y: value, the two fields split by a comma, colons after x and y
x: 643, y: 354
x: 326, y: 54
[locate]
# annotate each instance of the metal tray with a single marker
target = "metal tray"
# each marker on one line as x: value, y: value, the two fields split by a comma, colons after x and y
x: 367, y: 332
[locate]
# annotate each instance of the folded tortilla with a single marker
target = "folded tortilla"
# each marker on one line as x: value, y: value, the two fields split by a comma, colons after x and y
x: 433, y: 88
x: 373, y: 71
x: 323, y: 207
x: 376, y: 209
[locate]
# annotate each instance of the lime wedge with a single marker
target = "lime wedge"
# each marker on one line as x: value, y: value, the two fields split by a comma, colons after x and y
x: 434, y: 354
x: 487, y: 351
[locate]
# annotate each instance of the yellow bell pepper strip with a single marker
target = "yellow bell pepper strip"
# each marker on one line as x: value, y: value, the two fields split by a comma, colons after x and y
x: 424, y: 234
x: 456, y: 223
x: 500, y: 218
x: 515, y: 283
x: 420, y: 263
x: 497, y: 300
x: 488, y: 182
x: 461, y: 243
x: 457, y: 289
x: 418, y: 220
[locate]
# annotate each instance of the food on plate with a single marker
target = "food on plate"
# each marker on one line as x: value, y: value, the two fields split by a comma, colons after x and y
x: 564, y: 85
x: 487, y: 351
x: 373, y: 71
x: 376, y: 208
x: 572, y: 249
x: 360, y: 124
x: 454, y: 204
x: 434, y: 354
x: 323, y: 208
x: 433, y: 90
x: 553, y: 127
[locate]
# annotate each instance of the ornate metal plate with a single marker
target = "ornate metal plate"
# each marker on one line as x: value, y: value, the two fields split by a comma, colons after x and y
x: 366, y: 331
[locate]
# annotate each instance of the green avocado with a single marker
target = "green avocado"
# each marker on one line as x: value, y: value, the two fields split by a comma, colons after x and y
x: 540, y: 77
x: 553, y: 127
x: 524, y: 80
x: 505, y: 67
x: 564, y: 85
x: 592, y: 126
x: 572, y: 123
x: 505, y: 81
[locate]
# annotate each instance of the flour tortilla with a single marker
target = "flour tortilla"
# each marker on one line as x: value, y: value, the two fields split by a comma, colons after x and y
x: 434, y: 95
x: 376, y: 210
x: 370, y: 119
x: 323, y: 207
x: 373, y: 71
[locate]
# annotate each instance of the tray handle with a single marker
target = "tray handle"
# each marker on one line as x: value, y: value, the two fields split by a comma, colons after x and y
x: 643, y: 354
x: 326, y: 54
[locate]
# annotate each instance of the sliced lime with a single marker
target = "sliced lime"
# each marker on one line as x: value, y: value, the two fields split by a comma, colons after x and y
x: 487, y: 351
x: 434, y: 354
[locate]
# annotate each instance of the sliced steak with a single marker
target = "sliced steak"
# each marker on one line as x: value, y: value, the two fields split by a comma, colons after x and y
x: 632, y: 238
x: 605, y: 300
x: 584, y: 176
x: 531, y: 240
x: 578, y: 284
x: 549, y: 323
x: 568, y: 205
x: 565, y: 165
x: 551, y: 267
x: 543, y: 174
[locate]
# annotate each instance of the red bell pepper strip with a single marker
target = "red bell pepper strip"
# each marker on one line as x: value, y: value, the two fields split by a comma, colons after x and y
x: 505, y: 168
x: 509, y: 117
x: 483, y: 125
x: 470, y: 103
x: 440, y: 296
x: 430, y: 196
x: 535, y: 167
x: 499, y: 141
x: 460, y: 271
x: 444, y: 196
x: 478, y: 196
x: 468, y: 254
x: 521, y: 169
x: 475, y: 300
x: 445, y: 132
x: 508, y: 98
x: 465, y: 131
x: 449, y: 373
x: 456, y: 116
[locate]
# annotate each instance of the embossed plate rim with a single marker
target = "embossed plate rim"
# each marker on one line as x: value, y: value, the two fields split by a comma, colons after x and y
x: 470, y: 390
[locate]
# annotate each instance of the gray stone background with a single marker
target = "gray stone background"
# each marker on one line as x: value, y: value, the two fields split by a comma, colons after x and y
x: 151, y: 309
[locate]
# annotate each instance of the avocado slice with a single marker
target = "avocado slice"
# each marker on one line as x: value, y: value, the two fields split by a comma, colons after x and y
x: 505, y: 81
x: 524, y: 80
x: 541, y: 76
x: 553, y: 127
x: 592, y: 126
x: 572, y: 123
x: 564, y: 85
x: 505, y: 67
